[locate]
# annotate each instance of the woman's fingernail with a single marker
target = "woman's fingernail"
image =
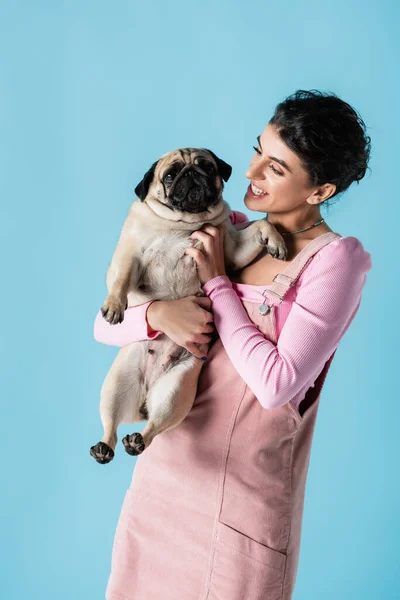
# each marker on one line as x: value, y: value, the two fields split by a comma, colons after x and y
x: 204, y: 358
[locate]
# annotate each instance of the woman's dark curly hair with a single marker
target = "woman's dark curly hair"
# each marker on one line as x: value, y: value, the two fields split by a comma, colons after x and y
x: 327, y: 135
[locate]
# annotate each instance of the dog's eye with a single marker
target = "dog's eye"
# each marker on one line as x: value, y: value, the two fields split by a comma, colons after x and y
x: 207, y: 166
x: 169, y: 176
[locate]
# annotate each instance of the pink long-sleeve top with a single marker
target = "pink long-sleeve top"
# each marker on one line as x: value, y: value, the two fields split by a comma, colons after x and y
x: 310, y: 322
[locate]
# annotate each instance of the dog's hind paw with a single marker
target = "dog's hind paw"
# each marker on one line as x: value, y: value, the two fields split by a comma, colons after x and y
x: 102, y: 453
x: 133, y: 444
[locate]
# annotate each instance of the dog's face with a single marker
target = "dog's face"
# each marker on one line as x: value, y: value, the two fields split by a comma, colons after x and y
x: 186, y: 180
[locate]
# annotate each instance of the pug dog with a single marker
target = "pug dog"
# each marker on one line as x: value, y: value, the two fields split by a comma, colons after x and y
x: 156, y: 380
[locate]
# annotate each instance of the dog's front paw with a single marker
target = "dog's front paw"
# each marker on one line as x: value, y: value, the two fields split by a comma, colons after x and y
x: 102, y: 453
x: 272, y: 240
x: 113, y: 310
x: 133, y: 444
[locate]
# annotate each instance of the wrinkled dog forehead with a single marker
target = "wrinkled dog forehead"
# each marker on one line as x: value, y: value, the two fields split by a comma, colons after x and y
x: 182, y: 157
x: 187, y: 156
x: 190, y: 156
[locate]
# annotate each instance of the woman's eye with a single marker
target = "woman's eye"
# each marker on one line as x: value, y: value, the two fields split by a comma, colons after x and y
x: 272, y: 166
x: 275, y: 170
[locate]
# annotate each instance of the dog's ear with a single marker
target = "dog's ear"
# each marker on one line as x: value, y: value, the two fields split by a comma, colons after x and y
x: 224, y: 169
x: 143, y: 187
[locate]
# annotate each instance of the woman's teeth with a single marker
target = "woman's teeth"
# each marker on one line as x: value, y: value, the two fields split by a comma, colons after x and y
x: 257, y: 190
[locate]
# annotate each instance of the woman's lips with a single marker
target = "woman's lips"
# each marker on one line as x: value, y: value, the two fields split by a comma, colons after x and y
x: 253, y: 195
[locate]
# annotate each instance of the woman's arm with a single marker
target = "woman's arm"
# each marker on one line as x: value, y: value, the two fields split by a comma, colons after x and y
x: 237, y: 217
x: 328, y: 298
x: 135, y: 326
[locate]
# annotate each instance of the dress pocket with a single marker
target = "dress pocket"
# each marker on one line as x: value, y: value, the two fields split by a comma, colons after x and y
x: 244, y: 569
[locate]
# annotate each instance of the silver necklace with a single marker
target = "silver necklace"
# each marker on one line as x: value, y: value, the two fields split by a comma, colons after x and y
x: 305, y: 228
x: 265, y: 308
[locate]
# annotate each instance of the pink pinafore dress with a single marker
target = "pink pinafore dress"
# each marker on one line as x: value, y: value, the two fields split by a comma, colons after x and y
x: 214, y: 509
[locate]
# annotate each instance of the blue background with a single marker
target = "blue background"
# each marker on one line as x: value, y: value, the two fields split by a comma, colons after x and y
x: 91, y: 94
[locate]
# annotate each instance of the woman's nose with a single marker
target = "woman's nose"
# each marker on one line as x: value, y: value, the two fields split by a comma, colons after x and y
x: 254, y: 172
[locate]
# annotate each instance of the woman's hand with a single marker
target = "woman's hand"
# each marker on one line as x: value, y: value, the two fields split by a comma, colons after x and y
x: 185, y: 321
x: 211, y: 260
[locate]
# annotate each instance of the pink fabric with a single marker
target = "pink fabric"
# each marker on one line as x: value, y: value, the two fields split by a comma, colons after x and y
x: 328, y: 297
x: 215, y: 506
x: 134, y: 327
x: 311, y: 320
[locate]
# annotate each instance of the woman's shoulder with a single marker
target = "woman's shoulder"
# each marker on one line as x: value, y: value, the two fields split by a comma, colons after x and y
x: 346, y: 249
x: 345, y: 254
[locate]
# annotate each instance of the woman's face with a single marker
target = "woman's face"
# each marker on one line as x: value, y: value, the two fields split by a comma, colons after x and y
x: 276, y: 170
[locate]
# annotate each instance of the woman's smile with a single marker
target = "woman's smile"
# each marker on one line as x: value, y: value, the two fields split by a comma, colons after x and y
x: 256, y: 191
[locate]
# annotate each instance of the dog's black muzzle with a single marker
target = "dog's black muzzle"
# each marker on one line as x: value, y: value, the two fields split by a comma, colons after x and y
x: 193, y: 191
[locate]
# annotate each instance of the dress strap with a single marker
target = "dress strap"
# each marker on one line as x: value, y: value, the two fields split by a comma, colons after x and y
x: 285, y: 280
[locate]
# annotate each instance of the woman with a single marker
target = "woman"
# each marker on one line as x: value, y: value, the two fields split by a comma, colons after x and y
x: 215, y: 506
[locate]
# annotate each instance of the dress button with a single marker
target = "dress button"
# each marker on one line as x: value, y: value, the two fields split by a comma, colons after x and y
x: 264, y: 309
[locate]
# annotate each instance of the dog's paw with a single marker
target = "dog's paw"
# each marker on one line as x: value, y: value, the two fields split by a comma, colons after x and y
x: 113, y: 310
x: 102, y: 453
x: 272, y: 240
x: 133, y: 444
